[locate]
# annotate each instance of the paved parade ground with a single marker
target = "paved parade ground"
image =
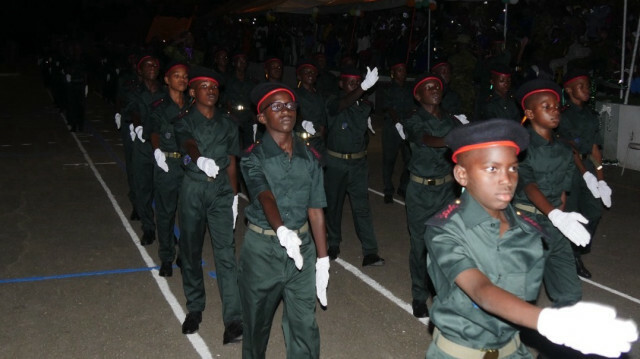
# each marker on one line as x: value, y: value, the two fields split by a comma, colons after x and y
x: 75, y: 283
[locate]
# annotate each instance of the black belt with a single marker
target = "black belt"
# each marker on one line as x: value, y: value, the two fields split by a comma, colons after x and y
x: 431, y: 181
x: 347, y: 156
x: 172, y: 154
x: 271, y: 232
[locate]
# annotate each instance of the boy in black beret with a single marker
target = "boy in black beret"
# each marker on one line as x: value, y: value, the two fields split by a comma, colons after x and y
x: 312, y: 115
x: 500, y: 103
x: 486, y: 261
x: 285, y: 185
x: 581, y: 128
x: 209, y: 137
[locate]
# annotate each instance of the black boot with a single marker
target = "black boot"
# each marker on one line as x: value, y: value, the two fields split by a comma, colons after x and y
x: 232, y: 332
x: 134, y: 215
x: 582, y: 270
x: 148, y: 237
x: 192, y: 322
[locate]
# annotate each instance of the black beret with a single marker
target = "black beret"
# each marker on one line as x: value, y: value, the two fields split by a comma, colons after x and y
x: 350, y: 71
x: 266, y: 89
x: 501, y: 69
x: 306, y: 63
x: 144, y: 56
x: 270, y: 60
x: 438, y: 63
x: 173, y: 64
x: 536, y: 86
x: 574, y: 74
x: 427, y: 76
x: 483, y: 134
x: 203, y: 73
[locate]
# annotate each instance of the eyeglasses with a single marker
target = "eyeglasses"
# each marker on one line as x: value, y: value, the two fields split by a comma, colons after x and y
x: 279, y: 106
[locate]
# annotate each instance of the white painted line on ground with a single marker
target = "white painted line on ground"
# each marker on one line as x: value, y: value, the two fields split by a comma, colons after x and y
x: 196, y: 340
x: 379, y: 288
x: 610, y: 290
x: 7, y: 145
x: 25, y: 144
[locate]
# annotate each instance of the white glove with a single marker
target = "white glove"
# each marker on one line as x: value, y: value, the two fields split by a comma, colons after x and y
x: 132, y: 133
x: 86, y: 90
x: 68, y: 77
x: 462, y: 118
x: 234, y: 208
x: 290, y: 241
x: 208, y: 166
x: 588, y: 327
x: 322, y: 279
x: 138, y: 131
x: 569, y: 224
x: 592, y: 183
x: 370, y: 78
x: 255, y: 130
x: 308, y: 126
x: 400, y: 130
x: 161, y: 159
x: 605, y: 193
x: 118, y: 118
x: 370, y: 125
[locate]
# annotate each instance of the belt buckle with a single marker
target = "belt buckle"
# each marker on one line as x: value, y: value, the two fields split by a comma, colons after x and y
x: 490, y: 354
x: 347, y: 156
x: 430, y: 182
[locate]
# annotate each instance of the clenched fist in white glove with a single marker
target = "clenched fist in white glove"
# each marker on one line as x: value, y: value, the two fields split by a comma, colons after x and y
x: 138, y: 130
x: 588, y: 327
x: 592, y: 183
x: 400, y: 130
x: 234, y: 208
x: 605, y: 193
x: 569, y: 223
x: 118, y: 119
x: 208, y: 166
x: 370, y: 125
x: 308, y: 126
x: 291, y: 242
x: 132, y: 133
x: 161, y: 159
x: 322, y: 279
x: 370, y: 78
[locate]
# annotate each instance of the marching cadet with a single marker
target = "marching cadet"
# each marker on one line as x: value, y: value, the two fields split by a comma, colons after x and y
x: 581, y: 127
x: 168, y: 172
x: 451, y: 101
x: 327, y: 83
x: 285, y: 184
x: 500, y: 103
x: 397, y: 105
x: 209, y: 198
x: 431, y: 185
x: 347, y: 169
x: 312, y: 116
x: 140, y: 106
x: 486, y: 261
x: 273, y: 70
x: 237, y: 91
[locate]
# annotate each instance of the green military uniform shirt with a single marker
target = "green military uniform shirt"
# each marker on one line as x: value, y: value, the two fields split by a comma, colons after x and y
x: 327, y: 83
x: 428, y: 162
x: 397, y: 98
x: 162, y: 121
x: 144, y: 102
x: 347, y: 130
x: 312, y: 108
x: 296, y: 182
x: 580, y: 125
x: 497, y: 106
x: 464, y: 236
x: 237, y: 95
x: 451, y: 102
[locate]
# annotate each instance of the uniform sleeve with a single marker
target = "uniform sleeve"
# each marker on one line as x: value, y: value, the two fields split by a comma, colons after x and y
x: 317, y: 197
x: 414, y: 129
x: 447, y: 254
x: 568, y: 177
x: 155, y: 120
x: 332, y: 105
x: 254, y: 177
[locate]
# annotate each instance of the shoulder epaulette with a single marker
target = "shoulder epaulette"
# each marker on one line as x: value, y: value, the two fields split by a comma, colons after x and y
x: 532, y: 223
x: 315, y: 152
x: 157, y: 102
x: 564, y: 108
x: 250, y: 149
x: 444, y: 215
x: 182, y: 114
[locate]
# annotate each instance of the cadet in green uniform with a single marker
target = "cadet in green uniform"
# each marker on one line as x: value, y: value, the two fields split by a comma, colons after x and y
x: 146, y: 97
x: 237, y: 91
x: 168, y: 174
x: 581, y: 128
x: 451, y: 101
x: 312, y: 116
x: 545, y: 176
x: 431, y: 185
x: 500, y: 103
x: 273, y: 70
x: 327, y: 83
x: 284, y: 179
x: 347, y: 169
x: 208, y: 198
x: 486, y: 261
x: 397, y: 105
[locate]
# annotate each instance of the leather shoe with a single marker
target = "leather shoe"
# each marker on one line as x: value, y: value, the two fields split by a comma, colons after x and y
x: 192, y: 322
x: 333, y: 252
x: 419, y: 309
x: 148, y: 237
x: 134, y: 216
x: 388, y: 198
x: 232, y: 332
x: 166, y: 269
x: 372, y: 260
x: 582, y: 270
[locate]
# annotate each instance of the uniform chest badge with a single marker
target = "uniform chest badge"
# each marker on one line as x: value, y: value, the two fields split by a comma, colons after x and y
x: 167, y: 135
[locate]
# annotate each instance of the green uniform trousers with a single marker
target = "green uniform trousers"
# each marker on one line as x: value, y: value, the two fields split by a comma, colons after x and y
x: 268, y: 276
x: 142, y: 167
x: 350, y: 177
x: 422, y: 202
x: 204, y: 204
x: 392, y: 143
x: 167, y: 187
x: 127, y: 144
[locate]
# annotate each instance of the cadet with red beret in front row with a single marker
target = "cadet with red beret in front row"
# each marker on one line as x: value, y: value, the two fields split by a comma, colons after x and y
x: 280, y: 260
x: 486, y: 261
